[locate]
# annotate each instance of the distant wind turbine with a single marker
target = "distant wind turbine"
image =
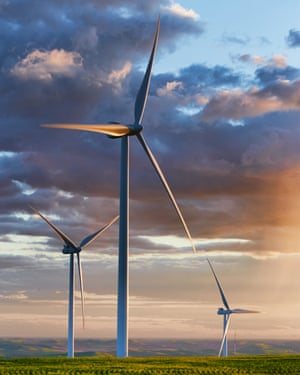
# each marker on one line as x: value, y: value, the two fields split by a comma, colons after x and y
x: 71, y: 248
x: 226, y: 312
x: 117, y: 130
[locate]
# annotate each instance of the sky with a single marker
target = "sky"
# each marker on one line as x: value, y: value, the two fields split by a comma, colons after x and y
x: 222, y: 119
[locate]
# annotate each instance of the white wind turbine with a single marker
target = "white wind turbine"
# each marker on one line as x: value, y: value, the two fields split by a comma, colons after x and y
x: 226, y: 312
x: 71, y: 248
x: 118, y: 130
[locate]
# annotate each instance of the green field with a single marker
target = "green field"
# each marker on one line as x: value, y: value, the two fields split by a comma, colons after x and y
x: 273, y: 364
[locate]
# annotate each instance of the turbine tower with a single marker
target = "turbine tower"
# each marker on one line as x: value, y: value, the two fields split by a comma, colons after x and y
x: 118, y: 130
x: 226, y: 311
x: 71, y: 249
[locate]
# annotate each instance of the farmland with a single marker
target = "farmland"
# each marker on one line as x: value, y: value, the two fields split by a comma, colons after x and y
x: 45, y: 347
x: 48, y: 357
x: 272, y: 364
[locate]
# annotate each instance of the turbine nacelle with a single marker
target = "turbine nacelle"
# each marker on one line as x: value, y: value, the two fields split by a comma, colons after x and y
x: 71, y: 250
x: 133, y: 129
x: 222, y: 311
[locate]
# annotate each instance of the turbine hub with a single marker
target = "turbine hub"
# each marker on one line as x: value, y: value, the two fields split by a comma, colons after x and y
x: 135, y: 129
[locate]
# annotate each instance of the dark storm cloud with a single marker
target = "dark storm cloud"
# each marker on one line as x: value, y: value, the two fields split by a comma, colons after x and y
x: 84, y: 64
x: 293, y: 39
x: 245, y: 58
x: 58, y: 62
x: 14, y: 262
x: 209, y: 76
x: 270, y: 74
x: 237, y: 181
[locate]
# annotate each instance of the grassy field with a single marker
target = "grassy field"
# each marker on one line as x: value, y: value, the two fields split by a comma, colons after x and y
x: 273, y: 364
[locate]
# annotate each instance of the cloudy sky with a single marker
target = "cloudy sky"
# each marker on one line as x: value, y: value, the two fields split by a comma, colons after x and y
x: 222, y: 119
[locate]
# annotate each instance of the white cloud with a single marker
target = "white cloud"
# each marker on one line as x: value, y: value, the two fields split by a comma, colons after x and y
x: 278, y: 61
x: 258, y: 60
x: 179, y: 242
x: 254, y: 102
x: 20, y: 295
x: 99, y: 299
x: 180, y: 11
x: 7, y: 154
x: 25, y: 188
x: 43, y: 65
x: 116, y: 77
x: 169, y: 88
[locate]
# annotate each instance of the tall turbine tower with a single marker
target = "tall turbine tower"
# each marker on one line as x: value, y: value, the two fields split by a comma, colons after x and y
x: 117, y: 130
x: 226, y: 312
x: 71, y: 249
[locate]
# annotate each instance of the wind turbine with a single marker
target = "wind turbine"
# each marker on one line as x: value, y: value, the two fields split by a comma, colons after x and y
x: 118, y: 130
x: 71, y: 248
x: 226, y: 312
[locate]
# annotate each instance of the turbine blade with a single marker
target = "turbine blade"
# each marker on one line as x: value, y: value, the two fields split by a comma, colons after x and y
x: 224, y: 335
x: 89, y: 239
x: 219, y: 287
x: 243, y: 311
x: 141, y: 99
x: 166, y: 185
x: 59, y: 232
x: 81, y: 289
x: 112, y: 130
